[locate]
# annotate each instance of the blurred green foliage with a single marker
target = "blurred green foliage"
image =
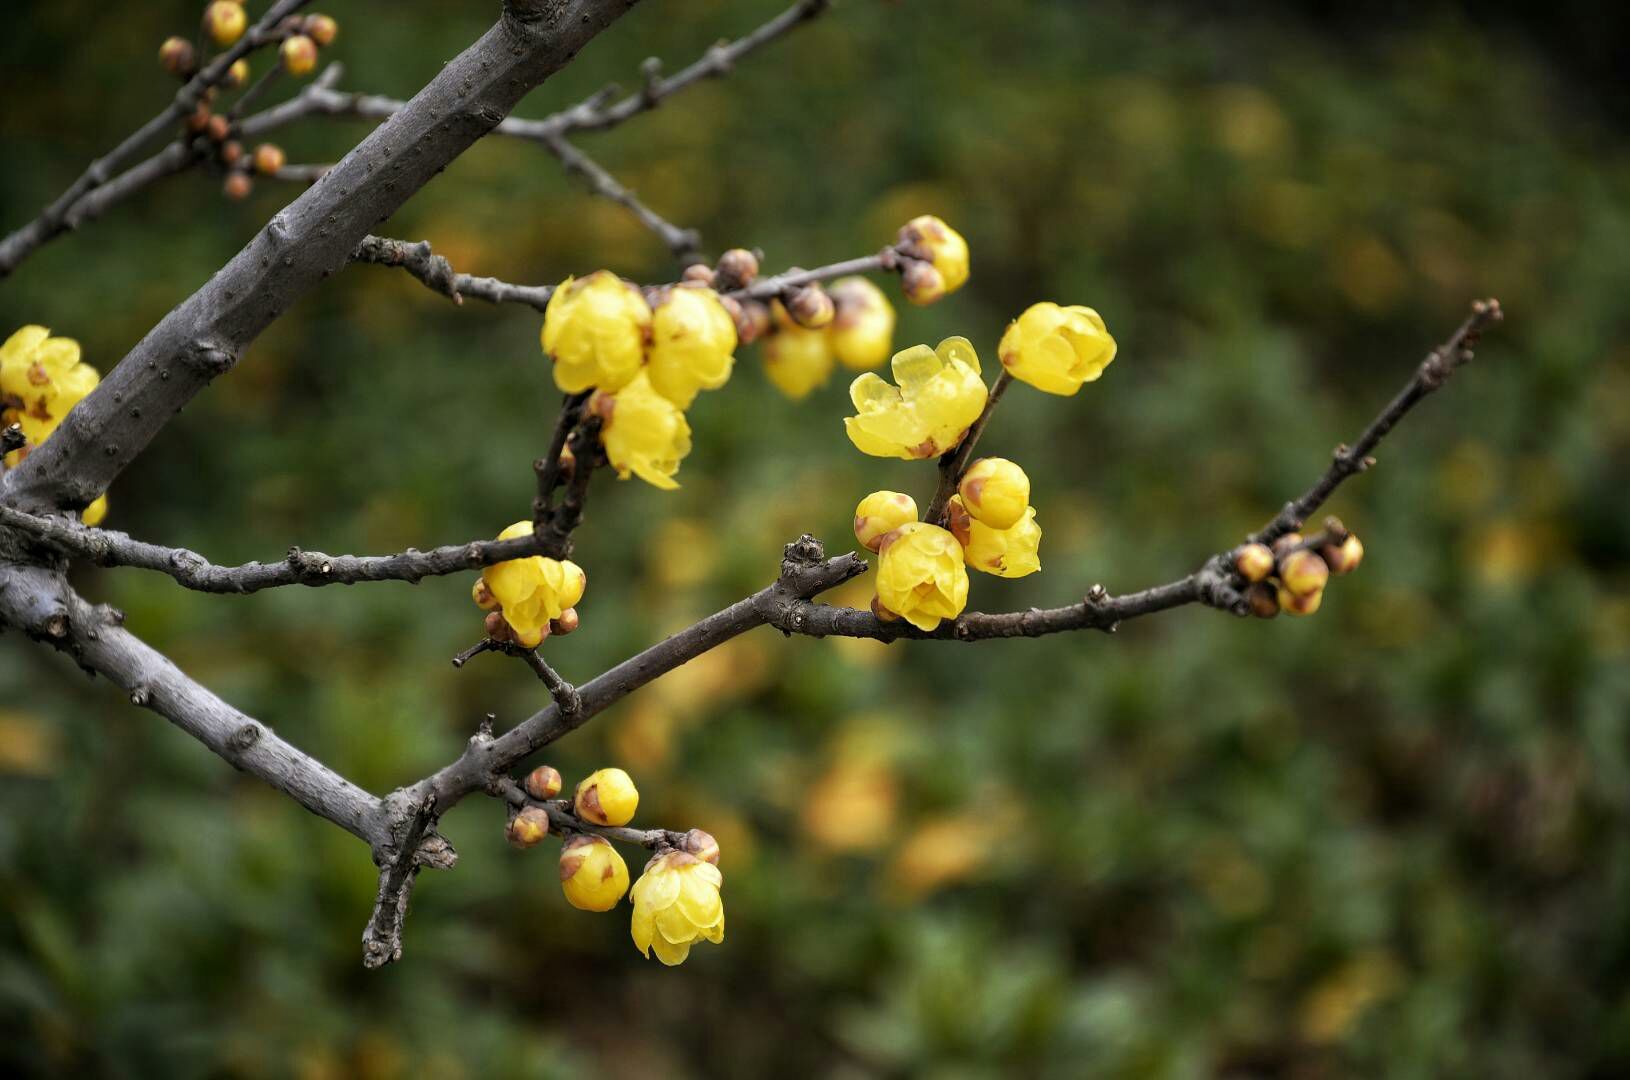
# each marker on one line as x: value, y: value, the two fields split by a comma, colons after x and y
x: 1387, y: 840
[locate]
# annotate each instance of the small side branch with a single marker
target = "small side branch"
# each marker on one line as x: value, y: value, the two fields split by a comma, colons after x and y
x: 683, y: 243
x: 438, y: 275
x: 418, y: 848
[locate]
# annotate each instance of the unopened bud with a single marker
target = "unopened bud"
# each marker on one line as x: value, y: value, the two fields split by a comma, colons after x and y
x: 1263, y: 600
x: 225, y: 21
x: 237, y: 186
x: 959, y: 521
x: 811, y: 307
x: 178, y: 57
x: 269, y: 158
x: 1307, y: 604
x: 236, y: 75
x: 882, y: 613
x: 879, y: 514
x: 198, y: 119
x: 322, y: 29
x: 483, y: 597
x: 1253, y: 561
x: 543, y: 782
x: 299, y: 55
x: 231, y: 152
x: 753, y: 322
x: 607, y: 797
x: 1286, y: 542
x: 497, y: 627
x: 528, y: 828
x: 567, y: 623
x: 702, y: 845
x: 996, y: 491
x: 701, y: 273
x: 592, y: 875
x: 218, y: 128
x: 737, y: 269
x: 1303, y: 572
x: 1344, y: 558
x: 921, y: 283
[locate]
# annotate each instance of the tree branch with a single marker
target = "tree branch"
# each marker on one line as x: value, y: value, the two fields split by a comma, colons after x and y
x: 681, y: 242
x: 438, y: 274
x: 308, y: 240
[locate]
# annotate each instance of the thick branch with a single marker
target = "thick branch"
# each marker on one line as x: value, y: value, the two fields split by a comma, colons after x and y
x: 308, y: 240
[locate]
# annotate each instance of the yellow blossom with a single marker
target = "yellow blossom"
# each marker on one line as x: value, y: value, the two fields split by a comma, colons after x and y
x: 592, y: 875
x: 41, y: 378
x: 921, y: 576
x: 645, y: 434
x: 93, y: 514
x: 607, y: 797
x: 693, y: 342
x: 225, y: 21
x: 795, y: 359
x: 1056, y: 349
x: 863, y: 330
x: 595, y: 329
x: 940, y: 394
x: 677, y: 904
x: 1009, y: 553
x: 929, y: 238
x: 880, y: 513
x: 995, y: 491
x: 533, y: 590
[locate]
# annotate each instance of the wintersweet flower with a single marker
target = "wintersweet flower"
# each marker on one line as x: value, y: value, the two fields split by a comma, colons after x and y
x: 880, y: 513
x: 863, y: 329
x: 595, y: 329
x: 592, y: 875
x: 1056, y: 349
x: 995, y: 491
x: 41, y: 378
x: 94, y: 514
x: 939, y: 395
x: 533, y: 590
x: 929, y: 238
x: 693, y: 343
x: 921, y: 576
x: 1010, y: 553
x: 607, y: 797
x: 644, y: 433
x: 676, y: 905
x: 795, y: 359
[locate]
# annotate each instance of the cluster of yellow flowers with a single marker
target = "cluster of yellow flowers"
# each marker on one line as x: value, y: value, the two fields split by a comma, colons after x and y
x: 989, y: 524
x: 529, y: 599
x: 645, y: 361
x: 676, y: 900
x: 1291, y: 575
x: 41, y: 378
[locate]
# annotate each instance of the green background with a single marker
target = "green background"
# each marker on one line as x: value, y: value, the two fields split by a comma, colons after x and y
x: 1386, y: 840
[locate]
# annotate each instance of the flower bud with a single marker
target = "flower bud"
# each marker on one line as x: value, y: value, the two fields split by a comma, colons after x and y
x: 178, y: 57
x: 482, y: 595
x: 1307, y: 604
x: 497, y: 627
x: 737, y: 269
x: 218, y: 128
x: 237, y: 186
x: 322, y: 29
x: 592, y: 875
x: 567, y: 623
x: 921, y: 283
x: 225, y: 21
x: 1303, y: 572
x: 995, y: 491
x: 929, y: 238
x: 543, y: 782
x: 269, y: 158
x: 198, y: 119
x: 1253, y: 561
x: 811, y: 307
x: 702, y: 845
x: 1283, y: 545
x: 700, y: 273
x: 236, y: 75
x: 921, y: 574
x: 231, y: 152
x: 299, y: 55
x: 863, y: 328
x: 1263, y: 600
x: 1056, y: 349
x: 880, y: 513
x: 1345, y: 557
x: 528, y: 828
x: 607, y: 797
x: 752, y: 318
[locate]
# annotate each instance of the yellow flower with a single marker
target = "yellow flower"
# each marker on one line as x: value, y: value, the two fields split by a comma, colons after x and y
x: 607, y: 797
x: 93, y: 514
x: 693, y: 341
x: 1009, y: 553
x: 595, y: 329
x: 41, y: 378
x: 921, y: 576
x: 677, y: 904
x: 645, y: 434
x: 863, y: 330
x: 1056, y: 349
x: 795, y: 359
x: 939, y: 395
x: 1303, y: 572
x: 881, y: 513
x: 533, y: 590
x: 592, y: 875
x: 927, y: 237
x: 995, y: 491
x: 225, y: 21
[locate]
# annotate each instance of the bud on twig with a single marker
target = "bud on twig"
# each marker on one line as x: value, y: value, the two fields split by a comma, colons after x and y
x: 1253, y: 561
x: 921, y: 283
x: 237, y: 185
x: 218, y: 128
x: 701, y: 273
x: 811, y: 307
x: 568, y: 622
x: 178, y: 57
x: 1345, y: 557
x: 543, y: 782
x: 528, y: 828
x: 268, y: 159
x: 737, y: 269
x: 322, y: 29
x: 225, y: 22
x: 702, y: 845
x: 299, y: 55
x: 1263, y: 600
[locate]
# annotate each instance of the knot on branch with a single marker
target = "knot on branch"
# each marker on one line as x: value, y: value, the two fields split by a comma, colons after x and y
x: 1214, y: 585
x: 804, y: 551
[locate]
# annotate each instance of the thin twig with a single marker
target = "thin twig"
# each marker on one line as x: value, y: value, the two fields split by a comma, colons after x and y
x: 682, y: 243
x: 564, y: 821
x: 438, y: 274
x: 548, y: 467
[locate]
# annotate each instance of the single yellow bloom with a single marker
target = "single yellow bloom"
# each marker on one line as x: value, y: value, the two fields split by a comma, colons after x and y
x: 607, y: 797
x: 995, y: 491
x: 677, y: 904
x: 592, y: 875
x: 94, y: 514
x: 939, y: 396
x: 533, y: 590
x: 41, y: 379
x: 645, y: 434
x: 930, y: 238
x: 225, y: 20
x: 796, y: 360
x: 693, y: 343
x: 921, y: 576
x: 595, y: 329
x: 863, y: 329
x: 1056, y: 349
x: 881, y: 513
x: 1009, y: 553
